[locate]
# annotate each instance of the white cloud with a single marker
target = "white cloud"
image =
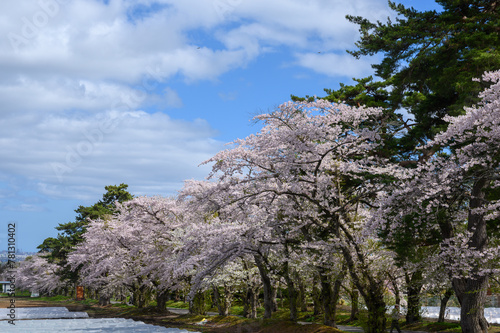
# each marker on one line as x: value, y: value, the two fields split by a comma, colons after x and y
x: 69, y: 65
x: 335, y: 65
x: 89, y: 40
x: 24, y: 208
x: 61, y: 153
x: 304, y: 24
x: 58, y: 94
x: 92, y: 40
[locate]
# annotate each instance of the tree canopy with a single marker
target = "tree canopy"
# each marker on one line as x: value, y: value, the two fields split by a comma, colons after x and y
x: 57, y: 249
x: 429, y: 61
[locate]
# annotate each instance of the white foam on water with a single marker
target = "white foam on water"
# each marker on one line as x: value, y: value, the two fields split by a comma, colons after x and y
x: 43, y: 313
x: 492, y: 315
x: 93, y: 325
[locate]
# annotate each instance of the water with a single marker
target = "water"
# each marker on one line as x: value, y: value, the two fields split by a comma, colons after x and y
x: 49, y: 320
x: 492, y: 315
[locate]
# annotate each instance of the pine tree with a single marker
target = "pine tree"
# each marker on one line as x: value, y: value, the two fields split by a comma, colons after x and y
x: 431, y: 57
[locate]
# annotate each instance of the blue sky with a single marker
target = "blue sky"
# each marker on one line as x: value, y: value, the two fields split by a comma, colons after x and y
x: 98, y: 93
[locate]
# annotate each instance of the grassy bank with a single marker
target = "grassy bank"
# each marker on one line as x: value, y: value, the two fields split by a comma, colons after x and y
x: 233, y: 323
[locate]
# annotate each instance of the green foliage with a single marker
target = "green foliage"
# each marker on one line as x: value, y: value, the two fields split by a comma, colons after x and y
x: 19, y: 293
x: 429, y: 61
x: 365, y: 92
x: 103, y: 208
x: 57, y: 298
x: 430, y: 58
x: 177, y: 304
x: 72, y: 232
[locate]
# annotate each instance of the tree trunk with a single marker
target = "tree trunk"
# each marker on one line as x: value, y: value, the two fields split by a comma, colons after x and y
x: 330, y: 295
x: 397, y: 294
x: 336, y: 292
x: 472, y: 296
x: 266, y: 281
x: 246, y: 304
x: 326, y: 299
x: 282, y: 301
x: 316, y: 296
x: 104, y: 299
x: 216, y: 301
x: 370, y: 288
x: 227, y: 301
x: 197, y: 304
x: 122, y: 296
x: 376, y: 310
x: 161, y: 299
x: 354, y: 294
x: 413, y: 287
x: 251, y: 302
x: 222, y: 302
x: 292, y: 293
x: 302, y: 297
x: 471, y: 291
x: 274, y: 297
x: 444, y: 302
x: 140, y: 297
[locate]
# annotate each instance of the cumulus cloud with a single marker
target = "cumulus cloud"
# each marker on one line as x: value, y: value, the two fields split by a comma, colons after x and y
x: 333, y: 64
x: 66, y: 154
x: 92, y: 40
x: 61, y: 94
x: 68, y: 67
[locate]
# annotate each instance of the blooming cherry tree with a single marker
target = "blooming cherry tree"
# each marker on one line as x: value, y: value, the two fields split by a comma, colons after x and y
x: 454, y: 200
x: 35, y: 273
x: 314, y: 169
x: 135, y: 248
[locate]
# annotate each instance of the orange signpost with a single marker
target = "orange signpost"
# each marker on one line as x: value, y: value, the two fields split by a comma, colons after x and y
x: 79, y: 293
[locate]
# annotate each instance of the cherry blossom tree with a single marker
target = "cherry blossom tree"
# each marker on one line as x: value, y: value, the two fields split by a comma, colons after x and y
x: 313, y: 190
x: 135, y: 248
x: 35, y: 273
x: 316, y: 168
x: 250, y: 231
x: 222, y: 236
x: 225, y: 283
x: 453, y: 200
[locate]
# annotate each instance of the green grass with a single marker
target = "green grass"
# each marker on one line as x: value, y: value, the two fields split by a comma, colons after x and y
x: 177, y: 304
x: 121, y: 305
x: 88, y: 301
x: 230, y: 320
x: 57, y: 298
x: 433, y: 327
x: 19, y: 293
